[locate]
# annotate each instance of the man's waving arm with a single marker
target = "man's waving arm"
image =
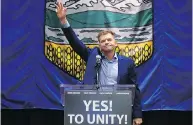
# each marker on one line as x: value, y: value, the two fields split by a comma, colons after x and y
x: 74, y: 41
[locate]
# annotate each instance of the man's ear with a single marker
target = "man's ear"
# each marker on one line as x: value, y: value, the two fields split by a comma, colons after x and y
x: 98, y: 44
x: 116, y: 44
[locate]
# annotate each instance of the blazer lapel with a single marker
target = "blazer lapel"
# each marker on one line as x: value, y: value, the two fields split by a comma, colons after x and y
x: 120, y: 67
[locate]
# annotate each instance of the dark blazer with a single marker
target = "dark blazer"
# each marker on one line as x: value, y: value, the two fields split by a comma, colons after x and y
x: 126, y: 67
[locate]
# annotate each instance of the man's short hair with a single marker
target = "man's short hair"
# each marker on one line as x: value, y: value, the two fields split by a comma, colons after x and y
x: 104, y: 32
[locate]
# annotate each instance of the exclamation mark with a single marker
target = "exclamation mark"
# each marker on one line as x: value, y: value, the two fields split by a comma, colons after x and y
x: 126, y: 119
x: 110, y: 105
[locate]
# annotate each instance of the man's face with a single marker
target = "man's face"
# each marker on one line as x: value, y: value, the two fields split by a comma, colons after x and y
x: 107, y: 43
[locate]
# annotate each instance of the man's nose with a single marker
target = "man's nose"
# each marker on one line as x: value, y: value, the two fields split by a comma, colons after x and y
x: 106, y: 41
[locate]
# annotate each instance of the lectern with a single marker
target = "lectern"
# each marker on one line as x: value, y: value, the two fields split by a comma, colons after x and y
x: 106, y: 105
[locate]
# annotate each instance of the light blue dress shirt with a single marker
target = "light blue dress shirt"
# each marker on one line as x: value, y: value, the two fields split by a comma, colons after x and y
x: 109, y: 71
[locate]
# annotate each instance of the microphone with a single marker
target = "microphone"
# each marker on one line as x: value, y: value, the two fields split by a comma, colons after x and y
x: 98, y: 60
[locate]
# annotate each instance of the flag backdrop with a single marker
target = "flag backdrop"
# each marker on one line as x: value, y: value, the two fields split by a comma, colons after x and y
x: 129, y: 19
x: 36, y: 57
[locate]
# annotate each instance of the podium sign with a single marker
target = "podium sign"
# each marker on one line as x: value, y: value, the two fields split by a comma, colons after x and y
x: 95, y: 107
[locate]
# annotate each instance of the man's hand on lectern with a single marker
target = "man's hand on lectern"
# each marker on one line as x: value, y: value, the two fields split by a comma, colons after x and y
x: 137, y: 121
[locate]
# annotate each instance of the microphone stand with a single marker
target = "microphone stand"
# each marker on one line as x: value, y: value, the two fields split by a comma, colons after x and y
x: 97, y: 67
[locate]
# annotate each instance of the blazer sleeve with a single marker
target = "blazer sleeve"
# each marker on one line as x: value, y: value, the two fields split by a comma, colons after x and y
x: 76, y: 43
x: 137, y: 110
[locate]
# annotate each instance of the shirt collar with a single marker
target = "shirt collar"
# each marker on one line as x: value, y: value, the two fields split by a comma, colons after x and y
x: 114, y: 58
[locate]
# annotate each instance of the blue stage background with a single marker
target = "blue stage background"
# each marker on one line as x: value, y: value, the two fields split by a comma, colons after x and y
x: 29, y: 80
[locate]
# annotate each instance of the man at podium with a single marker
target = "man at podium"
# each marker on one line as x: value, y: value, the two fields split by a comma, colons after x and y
x: 114, y: 68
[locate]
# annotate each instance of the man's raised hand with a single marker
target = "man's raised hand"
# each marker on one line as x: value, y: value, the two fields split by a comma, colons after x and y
x: 61, y: 12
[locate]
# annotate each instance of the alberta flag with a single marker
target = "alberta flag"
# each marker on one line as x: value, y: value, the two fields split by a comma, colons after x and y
x: 131, y: 20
